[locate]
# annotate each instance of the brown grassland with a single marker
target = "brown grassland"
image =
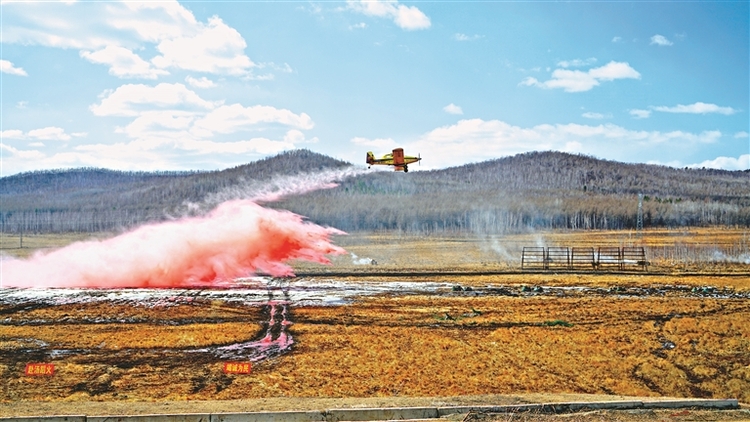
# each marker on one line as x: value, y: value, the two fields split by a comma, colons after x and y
x: 472, y: 343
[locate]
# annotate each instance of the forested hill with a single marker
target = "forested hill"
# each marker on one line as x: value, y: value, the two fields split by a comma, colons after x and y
x: 532, y: 190
x: 538, y: 189
x: 55, y: 182
x: 96, y: 199
x: 558, y: 171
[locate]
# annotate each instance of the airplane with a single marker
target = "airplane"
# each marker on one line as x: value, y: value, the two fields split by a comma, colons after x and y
x: 397, y: 159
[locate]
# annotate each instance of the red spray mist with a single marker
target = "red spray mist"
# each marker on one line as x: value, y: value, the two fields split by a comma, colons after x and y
x: 236, y: 239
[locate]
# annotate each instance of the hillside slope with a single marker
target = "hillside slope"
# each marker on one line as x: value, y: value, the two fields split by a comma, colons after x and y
x: 538, y: 189
x: 532, y: 190
x: 98, y: 199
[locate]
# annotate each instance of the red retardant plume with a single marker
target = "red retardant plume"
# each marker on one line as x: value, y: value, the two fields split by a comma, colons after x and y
x: 238, y: 238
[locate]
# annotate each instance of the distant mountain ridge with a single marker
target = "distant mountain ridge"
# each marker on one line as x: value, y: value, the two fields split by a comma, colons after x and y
x: 295, y: 161
x: 559, y: 170
x: 536, y: 189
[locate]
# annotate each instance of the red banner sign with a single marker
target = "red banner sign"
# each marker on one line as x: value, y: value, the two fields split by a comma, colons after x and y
x: 237, y: 367
x: 40, y: 369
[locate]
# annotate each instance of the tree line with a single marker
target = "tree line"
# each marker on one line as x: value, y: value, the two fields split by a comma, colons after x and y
x: 526, y: 191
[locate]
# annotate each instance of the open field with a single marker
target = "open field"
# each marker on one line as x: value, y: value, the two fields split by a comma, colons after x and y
x: 709, y: 250
x: 474, y: 334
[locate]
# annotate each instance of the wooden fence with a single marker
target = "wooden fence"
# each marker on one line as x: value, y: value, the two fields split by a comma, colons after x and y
x: 584, y: 258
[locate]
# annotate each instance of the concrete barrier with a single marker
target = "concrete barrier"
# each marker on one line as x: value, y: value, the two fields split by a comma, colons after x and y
x: 596, y: 405
x: 540, y: 408
x: 394, y: 413
x: 381, y: 414
x: 74, y: 418
x: 311, y: 416
x: 703, y: 404
x: 452, y: 410
x: 608, y: 405
x: 152, y: 418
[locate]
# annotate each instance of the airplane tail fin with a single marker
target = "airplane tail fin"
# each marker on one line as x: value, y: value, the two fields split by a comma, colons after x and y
x: 370, y: 157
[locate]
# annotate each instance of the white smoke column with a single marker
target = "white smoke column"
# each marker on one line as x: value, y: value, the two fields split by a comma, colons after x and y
x: 497, y: 247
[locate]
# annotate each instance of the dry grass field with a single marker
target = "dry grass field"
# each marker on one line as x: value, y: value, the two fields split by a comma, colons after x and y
x: 707, y: 250
x: 679, y: 330
x: 444, y: 344
x: 711, y: 250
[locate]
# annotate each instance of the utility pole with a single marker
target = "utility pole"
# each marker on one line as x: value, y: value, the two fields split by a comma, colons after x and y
x: 639, y: 221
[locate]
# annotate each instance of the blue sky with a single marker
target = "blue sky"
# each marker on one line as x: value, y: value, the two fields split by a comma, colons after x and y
x: 211, y: 85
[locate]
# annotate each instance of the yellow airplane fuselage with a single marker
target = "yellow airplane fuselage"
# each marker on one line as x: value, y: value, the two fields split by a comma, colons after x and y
x: 397, y: 159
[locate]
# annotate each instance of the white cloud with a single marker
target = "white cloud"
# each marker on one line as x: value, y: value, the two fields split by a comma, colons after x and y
x: 406, y: 17
x: 12, y: 134
x: 174, y: 121
x: 153, y: 21
x: 8, y: 67
x: 617, y: 39
x: 164, y: 124
x: 253, y: 146
x: 475, y: 140
x: 19, y: 154
x: 216, y: 48
x: 49, y: 133
x: 110, y: 33
x: 381, y: 145
x: 360, y: 25
x: 172, y: 116
x: 614, y: 70
x: 130, y: 99
x: 696, y: 108
x: 231, y: 118
x: 285, y: 68
x: 577, y: 62
x: 740, y: 135
x: 160, y: 152
x: 453, y: 109
x: 60, y: 26
x: 726, y: 163
x: 464, y: 37
x: 640, y: 114
x: 203, y: 82
x: 596, y: 116
x: 123, y: 63
x: 294, y: 136
x: 579, y: 81
x: 660, y: 40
